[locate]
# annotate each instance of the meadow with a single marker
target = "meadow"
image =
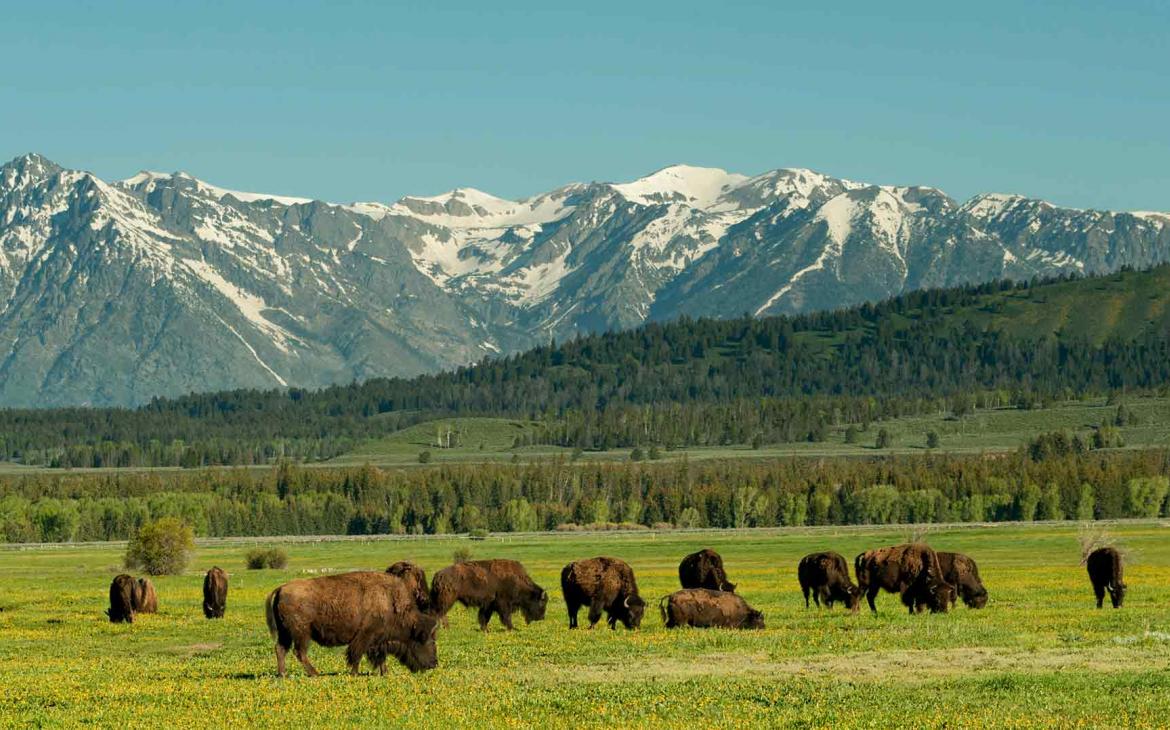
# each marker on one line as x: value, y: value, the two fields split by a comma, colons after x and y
x: 984, y: 430
x: 1040, y: 654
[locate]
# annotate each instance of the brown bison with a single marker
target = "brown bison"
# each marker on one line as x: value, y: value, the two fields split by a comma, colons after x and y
x: 1106, y: 572
x: 603, y: 584
x: 145, y: 599
x: 122, y: 590
x: 826, y: 576
x: 704, y: 569
x: 911, y: 570
x: 705, y: 608
x: 372, y: 614
x: 416, y: 579
x: 500, y: 586
x: 961, y: 572
x: 215, y: 588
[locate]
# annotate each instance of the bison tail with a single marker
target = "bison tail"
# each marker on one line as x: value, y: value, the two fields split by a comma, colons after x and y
x: 271, y: 608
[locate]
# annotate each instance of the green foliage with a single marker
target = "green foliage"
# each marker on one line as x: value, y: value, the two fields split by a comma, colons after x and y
x: 266, y: 558
x: 461, y: 555
x: 932, y: 440
x: 1086, y: 503
x: 1146, y: 496
x: 424, y: 457
x: 161, y: 547
x: 884, y: 439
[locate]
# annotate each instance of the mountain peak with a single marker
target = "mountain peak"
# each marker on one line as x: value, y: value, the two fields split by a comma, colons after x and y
x: 696, y: 186
x: 29, y: 167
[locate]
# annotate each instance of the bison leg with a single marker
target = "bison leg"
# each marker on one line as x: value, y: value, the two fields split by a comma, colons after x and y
x: 281, y: 651
x: 804, y: 590
x: 595, y: 609
x: 1099, y: 591
x: 301, y: 649
x: 505, y: 614
x: 573, y: 607
x: 485, y: 615
x: 870, y: 594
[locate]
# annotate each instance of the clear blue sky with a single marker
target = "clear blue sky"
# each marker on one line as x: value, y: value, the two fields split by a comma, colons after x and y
x: 362, y: 101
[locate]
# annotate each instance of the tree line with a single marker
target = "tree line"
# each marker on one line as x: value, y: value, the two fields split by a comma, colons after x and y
x: 557, y: 493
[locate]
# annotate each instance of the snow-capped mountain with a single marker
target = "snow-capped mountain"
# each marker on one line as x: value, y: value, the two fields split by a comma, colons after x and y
x: 115, y: 292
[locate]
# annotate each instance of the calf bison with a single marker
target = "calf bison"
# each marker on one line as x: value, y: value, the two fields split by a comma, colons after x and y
x: 145, y: 599
x: 372, y: 614
x: 603, y: 584
x: 911, y: 570
x: 500, y: 586
x: 416, y: 579
x: 706, y: 608
x: 704, y: 569
x: 1107, y: 574
x: 961, y: 572
x: 122, y: 590
x: 215, y: 588
x: 826, y: 576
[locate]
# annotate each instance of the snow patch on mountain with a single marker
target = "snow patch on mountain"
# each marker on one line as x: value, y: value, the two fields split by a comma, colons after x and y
x: 699, y: 187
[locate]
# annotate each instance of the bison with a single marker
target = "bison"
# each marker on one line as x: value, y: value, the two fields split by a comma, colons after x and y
x: 704, y: 569
x: 911, y: 570
x: 372, y: 614
x: 826, y: 576
x: 145, y: 599
x: 122, y: 590
x: 1106, y: 572
x: 500, y: 586
x: 603, y: 584
x: 961, y: 572
x: 705, y: 608
x: 215, y: 587
x: 416, y: 579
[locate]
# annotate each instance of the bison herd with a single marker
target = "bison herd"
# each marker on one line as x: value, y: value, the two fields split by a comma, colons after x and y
x: 395, y: 613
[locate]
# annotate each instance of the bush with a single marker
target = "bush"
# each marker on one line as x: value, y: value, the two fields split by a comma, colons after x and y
x: 261, y: 558
x: 424, y: 457
x: 932, y: 440
x: 884, y: 439
x: 461, y: 554
x: 162, y: 547
x: 478, y: 534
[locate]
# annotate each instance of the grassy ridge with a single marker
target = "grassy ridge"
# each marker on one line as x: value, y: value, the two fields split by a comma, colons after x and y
x: 984, y: 430
x: 1039, y: 655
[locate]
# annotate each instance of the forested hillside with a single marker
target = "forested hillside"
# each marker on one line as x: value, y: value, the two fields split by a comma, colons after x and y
x: 689, y: 382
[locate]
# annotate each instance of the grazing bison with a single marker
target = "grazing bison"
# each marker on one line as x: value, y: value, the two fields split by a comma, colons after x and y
x: 416, y: 579
x: 603, y: 584
x: 372, y: 614
x: 145, y: 599
x: 215, y: 587
x: 705, y: 608
x: 911, y: 570
x: 704, y: 569
x: 1107, y: 573
x: 826, y: 576
x: 961, y: 572
x: 500, y: 586
x: 122, y: 590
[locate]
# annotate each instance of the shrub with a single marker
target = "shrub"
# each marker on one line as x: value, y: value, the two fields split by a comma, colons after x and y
x: 261, y: 558
x: 932, y: 440
x: 884, y: 439
x: 461, y: 554
x: 162, y: 547
x: 478, y: 534
x: 424, y: 457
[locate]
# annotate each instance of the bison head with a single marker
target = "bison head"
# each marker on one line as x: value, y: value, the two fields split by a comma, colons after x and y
x: 853, y: 598
x: 534, y: 604
x: 418, y: 652
x: 1117, y: 594
x: 754, y: 619
x: 631, y: 612
x: 726, y: 585
x: 975, y: 600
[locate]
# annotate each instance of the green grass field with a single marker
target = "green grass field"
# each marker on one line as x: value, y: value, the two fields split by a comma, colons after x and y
x: 491, y: 439
x: 1040, y: 654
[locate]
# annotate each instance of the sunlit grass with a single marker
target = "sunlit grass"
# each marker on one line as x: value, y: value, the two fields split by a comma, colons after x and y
x: 1038, y: 655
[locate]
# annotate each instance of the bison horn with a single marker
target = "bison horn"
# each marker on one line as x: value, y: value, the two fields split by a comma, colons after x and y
x: 626, y: 602
x: 544, y: 595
